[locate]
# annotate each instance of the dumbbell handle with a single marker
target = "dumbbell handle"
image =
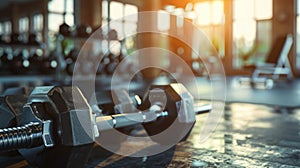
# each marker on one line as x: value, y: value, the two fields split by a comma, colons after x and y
x: 202, y: 109
x: 129, y: 119
x: 124, y: 120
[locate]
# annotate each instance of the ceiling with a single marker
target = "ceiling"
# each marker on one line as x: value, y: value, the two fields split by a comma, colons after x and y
x: 4, y: 3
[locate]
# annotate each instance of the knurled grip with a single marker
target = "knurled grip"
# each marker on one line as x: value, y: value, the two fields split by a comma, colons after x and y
x: 26, y: 136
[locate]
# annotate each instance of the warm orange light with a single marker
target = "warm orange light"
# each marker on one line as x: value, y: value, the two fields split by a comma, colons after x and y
x: 246, y: 30
x: 218, y: 12
x: 258, y: 9
x: 130, y: 12
x: 245, y: 14
x: 116, y: 10
x: 243, y: 9
x: 163, y: 21
x: 263, y: 9
x: 209, y: 12
x: 203, y: 13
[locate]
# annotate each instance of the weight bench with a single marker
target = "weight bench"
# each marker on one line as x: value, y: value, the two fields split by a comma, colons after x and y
x: 277, y: 62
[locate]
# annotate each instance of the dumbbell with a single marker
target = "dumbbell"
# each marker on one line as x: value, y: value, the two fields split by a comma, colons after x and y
x: 112, y: 34
x: 65, y: 29
x: 16, y: 64
x: 262, y: 83
x: 120, y: 57
x: 197, y: 67
x: 87, y: 64
x: 58, y: 121
x: 83, y: 31
x: 29, y: 135
x: 112, y: 64
x: 107, y: 64
x: 1, y: 40
x: 102, y: 67
x: 11, y: 103
x: 99, y: 32
x: 5, y: 61
x: 32, y: 39
x: 257, y: 83
x: 1, y: 57
x: 15, y: 38
x: 49, y: 64
x: 4, y: 57
x: 70, y: 60
x: 35, y: 62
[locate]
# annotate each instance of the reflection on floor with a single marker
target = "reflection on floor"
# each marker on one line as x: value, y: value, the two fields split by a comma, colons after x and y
x: 247, y: 136
x: 284, y: 93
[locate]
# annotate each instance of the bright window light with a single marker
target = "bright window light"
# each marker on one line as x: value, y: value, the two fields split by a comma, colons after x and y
x: 7, y: 27
x: 60, y: 11
x: 116, y: 10
x: 203, y: 13
x: 209, y: 12
x: 56, y: 6
x: 38, y: 22
x: 1, y: 29
x: 123, y: 17
x: 163, y: 19
x: 54, y: 21
x: 218, y: 12
x: 130, y: 28
x: 69, y: 19
x: 69, y: 6
x: 243, y: 9
x: 104, y: 9
x: 178, y: 12
x: 131, y: 13
x: 245, y: 29
x: 23, y: 24
x: 263, y: 9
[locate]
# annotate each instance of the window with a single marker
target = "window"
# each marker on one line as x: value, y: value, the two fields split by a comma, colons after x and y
x: 163, y: 21
x: 7, y: 30
x: 209, y: 12
x: 55, y: 20
x: 124, y: 16
x: 210, y: 19
x: 38, y: 24
x: 131, y: 18
x: 123, y: 19
x: 1, y: 28
x: 23, y: 28
x: 251, y: 31
x: 104, y: 12
x: 1, y: 32
x: 60, y: 11
x: 298, y: 35
x: 23, y: 25
x: 7, y: 27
